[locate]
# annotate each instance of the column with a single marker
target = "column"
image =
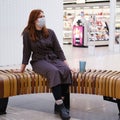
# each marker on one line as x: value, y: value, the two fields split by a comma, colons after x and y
x: 112, y: 24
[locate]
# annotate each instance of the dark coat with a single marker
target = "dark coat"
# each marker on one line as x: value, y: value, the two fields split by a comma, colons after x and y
x: 47, y: 58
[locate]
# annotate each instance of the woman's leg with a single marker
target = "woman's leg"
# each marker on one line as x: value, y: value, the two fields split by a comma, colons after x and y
x: 57, y: 93
x: 66, y: 95
x: 53, y: 75
x: 48, y: 70
x: 66, y: 80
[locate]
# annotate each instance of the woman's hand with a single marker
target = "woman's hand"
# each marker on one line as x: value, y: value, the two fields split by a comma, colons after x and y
x: 20, y: 70
x: 74, y: 70
x: 17, y: 71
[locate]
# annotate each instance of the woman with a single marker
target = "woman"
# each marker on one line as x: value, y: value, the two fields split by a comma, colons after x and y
x: 47, y: 59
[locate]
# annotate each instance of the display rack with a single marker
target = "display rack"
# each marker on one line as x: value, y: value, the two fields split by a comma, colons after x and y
x: 100, y: 11
x: 98, y: 31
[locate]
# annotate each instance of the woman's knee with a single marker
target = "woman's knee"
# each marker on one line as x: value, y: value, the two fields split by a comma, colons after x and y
x: 54, y: 71
x: 67, y: 70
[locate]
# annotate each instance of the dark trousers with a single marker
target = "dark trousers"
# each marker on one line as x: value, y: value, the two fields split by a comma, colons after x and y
x: 3, y: 105
x: 66, y: 95
x: 60, y: 91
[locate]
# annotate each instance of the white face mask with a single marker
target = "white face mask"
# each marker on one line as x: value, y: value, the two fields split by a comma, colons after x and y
x: 41, y: 22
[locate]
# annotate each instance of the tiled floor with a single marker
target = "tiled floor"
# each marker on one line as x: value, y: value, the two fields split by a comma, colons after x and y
x: 40, y: 106
x: 83, y: 107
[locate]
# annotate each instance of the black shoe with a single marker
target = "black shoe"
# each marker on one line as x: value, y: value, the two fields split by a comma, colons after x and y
x: 63, y: 112
x: 56, y: 109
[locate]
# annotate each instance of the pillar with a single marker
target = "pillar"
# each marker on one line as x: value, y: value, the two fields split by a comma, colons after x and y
x: 112, y: 24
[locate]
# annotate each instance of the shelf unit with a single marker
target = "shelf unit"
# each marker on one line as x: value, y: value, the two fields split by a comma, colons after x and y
x: 99, y: 10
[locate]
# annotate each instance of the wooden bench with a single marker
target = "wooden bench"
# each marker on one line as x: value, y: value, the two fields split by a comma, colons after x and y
x: 99, y: 82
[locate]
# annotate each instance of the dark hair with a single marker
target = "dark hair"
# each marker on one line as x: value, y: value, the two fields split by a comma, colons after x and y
x: 30, y: 28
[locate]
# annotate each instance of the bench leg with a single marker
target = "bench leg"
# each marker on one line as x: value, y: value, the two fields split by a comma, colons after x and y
x: 113, y: 100
x: 118, y: 104
x: 3, y: 105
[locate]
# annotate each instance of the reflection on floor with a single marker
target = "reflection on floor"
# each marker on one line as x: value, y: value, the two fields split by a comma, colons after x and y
x: 40, y: 106
x: 83, y: 107
x: 97, y: 58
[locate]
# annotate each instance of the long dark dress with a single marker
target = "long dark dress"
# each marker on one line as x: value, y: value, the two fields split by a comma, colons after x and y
x: 47, y: 58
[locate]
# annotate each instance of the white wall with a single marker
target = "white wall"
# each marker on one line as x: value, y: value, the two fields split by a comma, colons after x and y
x: 13, y: 18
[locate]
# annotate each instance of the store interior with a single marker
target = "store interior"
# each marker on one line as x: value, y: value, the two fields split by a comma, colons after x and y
x: 87, y: 22
x: 83, y: 107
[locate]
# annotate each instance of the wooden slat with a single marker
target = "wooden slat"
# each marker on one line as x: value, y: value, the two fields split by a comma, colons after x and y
x: 99, y: 82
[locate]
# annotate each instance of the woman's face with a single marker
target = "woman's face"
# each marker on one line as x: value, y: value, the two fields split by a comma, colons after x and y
x: 40, y: 22
x: 41, y: 15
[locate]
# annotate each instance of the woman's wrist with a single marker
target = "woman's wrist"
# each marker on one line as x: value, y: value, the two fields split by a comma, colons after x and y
x: 22, y: 67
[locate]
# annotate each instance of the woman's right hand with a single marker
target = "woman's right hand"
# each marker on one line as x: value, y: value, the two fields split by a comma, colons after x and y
x: 17, y: 71
x: 74, y: 70
x: 22, y: 69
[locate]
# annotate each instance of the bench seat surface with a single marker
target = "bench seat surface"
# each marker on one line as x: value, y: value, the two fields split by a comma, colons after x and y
x: 98, y: 82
